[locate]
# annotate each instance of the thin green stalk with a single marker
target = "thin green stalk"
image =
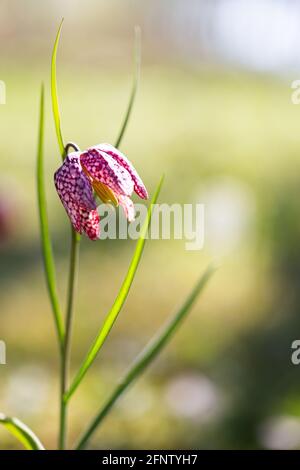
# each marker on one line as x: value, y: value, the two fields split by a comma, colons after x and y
x: 44, y: 229
x: 137, y: 66
x: 146, y: 357
x: 119, y: 302
x: 65, y: 359
x: 21, y: 432
x: 55, y: 105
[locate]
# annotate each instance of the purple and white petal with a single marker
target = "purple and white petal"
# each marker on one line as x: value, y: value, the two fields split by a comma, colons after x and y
x: 119, y: 157
x: 75, y: 192
x: 102, y: 167
x: 75, y: 179
x: 128, y: 207
x: 90, y: 222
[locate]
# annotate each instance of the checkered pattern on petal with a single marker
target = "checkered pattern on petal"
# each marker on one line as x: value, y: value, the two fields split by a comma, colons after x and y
x: 90, y: 222
x: 139, y: 186
x: 75, y: 192
x: 102, y: 167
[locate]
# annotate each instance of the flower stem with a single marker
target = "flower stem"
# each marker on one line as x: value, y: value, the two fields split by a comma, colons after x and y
x: 65, y: 354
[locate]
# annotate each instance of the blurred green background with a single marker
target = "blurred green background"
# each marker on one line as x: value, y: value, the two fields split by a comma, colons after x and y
x: 213, y: 113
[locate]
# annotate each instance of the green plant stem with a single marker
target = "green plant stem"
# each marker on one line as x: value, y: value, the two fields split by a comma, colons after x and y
x: 55, y: 105
x: 65, y: 356
x: 49, y: 266
x: 147, y: 356
x: 22, y: 432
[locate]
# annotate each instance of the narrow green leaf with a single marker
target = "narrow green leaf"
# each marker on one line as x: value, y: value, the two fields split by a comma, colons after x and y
x: 54, y: 96
x: 120, y: 299
x: 24, y: 435
x: 136, y: 77
x: 149, y: 353
x: 44, y: 227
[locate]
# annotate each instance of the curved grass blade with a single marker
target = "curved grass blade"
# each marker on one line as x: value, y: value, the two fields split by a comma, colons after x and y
x: 54, y: 96
x: 44, y: 228
x: 149, y: 353
x: 118, y: 304
x: 24, y: 435
x: 137, y: 67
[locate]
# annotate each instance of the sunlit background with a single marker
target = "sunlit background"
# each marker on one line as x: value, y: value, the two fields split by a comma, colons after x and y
x: 214, y: 113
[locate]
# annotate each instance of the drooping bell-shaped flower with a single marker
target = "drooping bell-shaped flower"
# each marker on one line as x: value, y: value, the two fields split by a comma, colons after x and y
x: 105, y: 170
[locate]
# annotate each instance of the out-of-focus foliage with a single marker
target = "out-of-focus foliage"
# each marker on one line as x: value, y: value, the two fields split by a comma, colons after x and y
x: 227, y: 138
